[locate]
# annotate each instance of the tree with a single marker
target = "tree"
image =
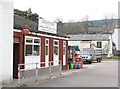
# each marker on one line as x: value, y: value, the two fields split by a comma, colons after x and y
x: 86, y: 23
x: 27, y: 14
x: 108, y: 23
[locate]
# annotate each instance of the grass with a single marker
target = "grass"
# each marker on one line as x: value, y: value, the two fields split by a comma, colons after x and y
x: 113, y: 57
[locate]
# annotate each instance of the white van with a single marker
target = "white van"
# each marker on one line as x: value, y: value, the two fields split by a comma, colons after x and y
x: 96, y: 53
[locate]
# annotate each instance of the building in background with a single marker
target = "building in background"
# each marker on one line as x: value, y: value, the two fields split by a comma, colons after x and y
x: 91, y: 41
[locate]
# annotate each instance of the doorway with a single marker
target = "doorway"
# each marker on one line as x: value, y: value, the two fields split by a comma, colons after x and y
x: 15, y: 60
x: 64, y: 53
x: 56, y: 52
x: 46, y: 52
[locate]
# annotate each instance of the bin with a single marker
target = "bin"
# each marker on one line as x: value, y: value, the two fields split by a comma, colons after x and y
x: 78, y: 65
x: 75, y: 66
x: 71, y: 66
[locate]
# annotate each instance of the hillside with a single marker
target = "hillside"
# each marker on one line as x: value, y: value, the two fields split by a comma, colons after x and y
x: 96, y: 26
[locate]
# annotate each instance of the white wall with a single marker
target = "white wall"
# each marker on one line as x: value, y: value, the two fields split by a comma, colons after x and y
x: 115, y: 38
x: 105, y: 47
x: 87, y: 45
x: 74, y: 43
x: 6, y: 40
x: 80, y: 44
x: 32, y: 59
x: 84, y: 45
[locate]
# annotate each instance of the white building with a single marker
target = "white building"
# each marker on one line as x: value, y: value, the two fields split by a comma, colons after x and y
x: 6, y: 40
x: 115, y: 37
x: 91, y: 41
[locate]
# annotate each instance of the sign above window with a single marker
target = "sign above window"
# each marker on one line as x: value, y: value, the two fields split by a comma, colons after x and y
x: 47, y: 26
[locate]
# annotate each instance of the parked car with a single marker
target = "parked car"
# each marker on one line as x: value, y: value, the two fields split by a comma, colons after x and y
x: 96, y: 53
x: 86, y: 56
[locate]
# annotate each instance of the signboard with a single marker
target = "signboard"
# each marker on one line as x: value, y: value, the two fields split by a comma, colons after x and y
x: 47, y: 26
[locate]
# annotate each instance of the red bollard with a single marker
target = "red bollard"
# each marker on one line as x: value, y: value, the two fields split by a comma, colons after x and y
x: 81, y: 62
x: 79, y: 59
x: 75, y: 66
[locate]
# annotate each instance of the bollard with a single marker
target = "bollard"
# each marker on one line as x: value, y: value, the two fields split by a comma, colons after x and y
x: 50, y: 70
x: 81, y: 62
x: 18, y: 76
x: 60, y: 67
x: 36, y: 71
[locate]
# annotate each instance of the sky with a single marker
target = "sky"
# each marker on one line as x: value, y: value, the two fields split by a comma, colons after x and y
x: 70, y: 10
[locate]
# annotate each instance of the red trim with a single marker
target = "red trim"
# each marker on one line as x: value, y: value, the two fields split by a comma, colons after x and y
x: 61, y: 51
x: 42, y: 51
x: 51, y: 50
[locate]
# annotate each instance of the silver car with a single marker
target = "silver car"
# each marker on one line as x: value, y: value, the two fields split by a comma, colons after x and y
x: 86, y: 56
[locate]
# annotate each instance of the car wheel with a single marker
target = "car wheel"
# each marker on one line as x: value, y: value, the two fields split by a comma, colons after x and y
x: 99, y: 60
x: 90, y: 62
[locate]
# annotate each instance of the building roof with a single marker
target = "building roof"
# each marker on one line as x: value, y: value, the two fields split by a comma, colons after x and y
x: 88, y: 37
x: 22, y: 23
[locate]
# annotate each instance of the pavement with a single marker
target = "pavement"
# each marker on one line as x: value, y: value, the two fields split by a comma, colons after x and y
x: 14, y: 82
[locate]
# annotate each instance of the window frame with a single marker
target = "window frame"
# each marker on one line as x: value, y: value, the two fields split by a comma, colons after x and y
x: 64, y: 45
x: 33, y: 44
x: 47, y: 45
x: 54, y: 45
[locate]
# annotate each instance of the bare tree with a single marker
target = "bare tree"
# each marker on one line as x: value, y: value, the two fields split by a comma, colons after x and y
x: 86, y: 23
x: 108, y: 23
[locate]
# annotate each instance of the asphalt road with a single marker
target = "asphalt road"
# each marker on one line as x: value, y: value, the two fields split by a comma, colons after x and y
x: 103, y: 74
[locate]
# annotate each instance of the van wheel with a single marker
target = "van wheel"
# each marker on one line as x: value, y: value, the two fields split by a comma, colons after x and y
x: 97, y: 60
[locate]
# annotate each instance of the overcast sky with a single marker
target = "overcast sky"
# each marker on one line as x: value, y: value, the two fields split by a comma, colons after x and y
x: 70, y: 9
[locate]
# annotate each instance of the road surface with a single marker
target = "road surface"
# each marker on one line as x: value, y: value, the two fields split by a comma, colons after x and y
x: 103, y: 74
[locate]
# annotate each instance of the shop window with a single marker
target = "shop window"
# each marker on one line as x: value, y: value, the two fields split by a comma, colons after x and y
x: 47, y: 46
x: 46, y: 51
x: 55, y: 42
x: 29, y: 40
x: 64, y: 48
x: 46, y: 42
x: 56, y: 47
x: 36, y: 50
x: 36, y: 40
x: 32, y: 46
x: 28, y: 50
x: 55, y: 50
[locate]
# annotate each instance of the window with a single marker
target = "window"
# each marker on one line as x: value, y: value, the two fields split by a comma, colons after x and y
x: 64, y: 48
x: 56, y: 43
x: 36, y: 40
x: 46, y: 51
x: 46, y: 46
x: 56, y: 47
x: 55, y: 50
x: 36, y: 50
x: 32, y: 46
x: 29, y: 40
x: 99, y: 44
x: 28, y: 50
x: 46, y: 42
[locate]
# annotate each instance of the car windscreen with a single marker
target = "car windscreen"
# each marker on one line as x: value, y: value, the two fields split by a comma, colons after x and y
x: 84, y: 53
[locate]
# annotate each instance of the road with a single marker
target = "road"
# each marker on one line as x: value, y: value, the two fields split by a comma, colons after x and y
x: 103, y: 74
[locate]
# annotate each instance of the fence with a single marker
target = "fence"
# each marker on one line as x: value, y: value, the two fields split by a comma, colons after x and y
x: 34, y: 72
